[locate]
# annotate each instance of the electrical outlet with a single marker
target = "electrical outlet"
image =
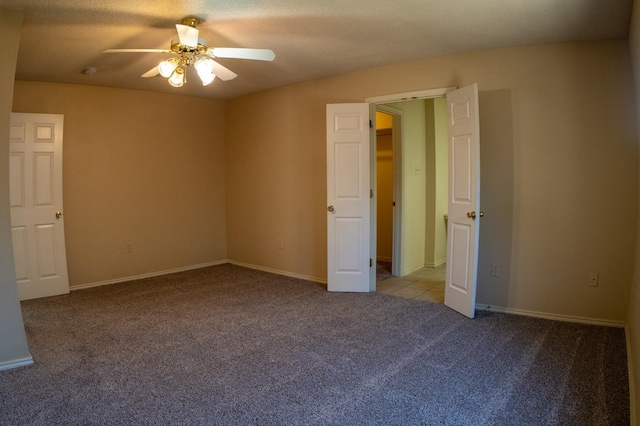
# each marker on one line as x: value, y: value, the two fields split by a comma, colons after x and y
x: 593, y: 279
x: 126, y: 248
x: 280, y: 244
x: 495, y: 270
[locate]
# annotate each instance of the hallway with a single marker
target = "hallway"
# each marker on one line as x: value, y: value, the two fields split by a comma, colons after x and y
x: 424, y: 284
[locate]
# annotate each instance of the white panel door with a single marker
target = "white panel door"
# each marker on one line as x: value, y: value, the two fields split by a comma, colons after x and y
x: 37, y: 224
x: 464, y: 200
x: 348, y: 197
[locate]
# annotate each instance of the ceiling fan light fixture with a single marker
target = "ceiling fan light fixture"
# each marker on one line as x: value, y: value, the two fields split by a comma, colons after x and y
x: 167, y: 68
x: 204, y: 67
x: 207, y: 78
x: 177, y: 78
x: 189, y: 50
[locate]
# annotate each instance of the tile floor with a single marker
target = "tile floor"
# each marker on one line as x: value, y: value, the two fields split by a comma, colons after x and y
x: 425, y: 284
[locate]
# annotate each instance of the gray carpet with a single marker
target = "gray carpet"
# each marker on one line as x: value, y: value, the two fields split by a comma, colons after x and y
x: 227, y: 345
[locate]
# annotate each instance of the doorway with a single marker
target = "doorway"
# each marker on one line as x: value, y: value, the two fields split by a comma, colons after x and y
x: 351, y: 176
x: 412, y: 187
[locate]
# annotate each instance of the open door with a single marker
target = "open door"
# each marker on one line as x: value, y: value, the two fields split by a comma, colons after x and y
x: 464, y: 200
x: 37, y: 223
x: 349, y: 198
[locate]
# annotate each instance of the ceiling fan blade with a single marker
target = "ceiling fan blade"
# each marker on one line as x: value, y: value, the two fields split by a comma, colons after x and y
x: 222, y: 72
x: 151, y: 73
x: 187, y: 35
x: 243, y: 53
x: 136, y: 51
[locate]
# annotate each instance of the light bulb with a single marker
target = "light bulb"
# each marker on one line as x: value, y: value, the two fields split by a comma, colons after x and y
x: 177, y: 78
x: 204, y: 66
x: 207, y: 78
x: 167, y: 67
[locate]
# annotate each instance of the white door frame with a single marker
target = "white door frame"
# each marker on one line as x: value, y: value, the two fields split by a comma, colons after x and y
x: 396, y: 249
x: 379, y: 103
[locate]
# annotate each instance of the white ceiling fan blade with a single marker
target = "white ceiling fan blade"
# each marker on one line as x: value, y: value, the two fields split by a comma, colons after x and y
x: 243, y: 53
x: 188, y: 35
x: 222, y: 72
x: 151, y: 73
x: 136, y: 51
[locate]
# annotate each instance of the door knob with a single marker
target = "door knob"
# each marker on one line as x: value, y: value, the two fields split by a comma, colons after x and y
x: 330, y: 208
x: 58, y: 215
x: 472, y: 215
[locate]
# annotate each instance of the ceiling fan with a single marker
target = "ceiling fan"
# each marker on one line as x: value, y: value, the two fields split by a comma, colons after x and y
x: 192, y: 51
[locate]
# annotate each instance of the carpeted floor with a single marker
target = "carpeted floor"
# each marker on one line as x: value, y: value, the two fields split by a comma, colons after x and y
x: 227, y: 345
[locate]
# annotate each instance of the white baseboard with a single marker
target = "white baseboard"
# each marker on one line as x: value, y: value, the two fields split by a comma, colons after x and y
x: 149, y: 275
x: 278, y: 272
x: 22, y: 362
x: 555, y: 317
x: 632, y: 388
x: 424, y: 265
x: 412, y: 270
x: 435, y: 264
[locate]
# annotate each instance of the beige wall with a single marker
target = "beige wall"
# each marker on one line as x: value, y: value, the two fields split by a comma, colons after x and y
x: 141, y: 168
x: 430, y: 182
x: 633, y: 318
x: 571, y: 152
x: 414, y: 187
x: 13, y: 342
x: 498, y: 190
x: 436, y: 176
x: 442, y: 179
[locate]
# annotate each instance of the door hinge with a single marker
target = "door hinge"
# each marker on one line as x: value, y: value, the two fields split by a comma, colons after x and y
x: 370, y: 263
x: 371, y: 193
x: 370, y: 124
x: 394, y: 204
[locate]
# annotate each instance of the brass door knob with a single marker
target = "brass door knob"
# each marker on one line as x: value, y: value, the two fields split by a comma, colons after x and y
x: 472, y: 215
x: 330, y: 208
x: 58, y: 215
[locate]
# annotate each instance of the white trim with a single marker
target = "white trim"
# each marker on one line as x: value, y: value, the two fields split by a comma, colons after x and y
x: 555, y: 317
x: 278, y: 272
x: 412, y: 270
x: 20, y: 362
x: 149, y: 275
x: 373, y: 201
x: 410, y: 96
x: 384, y: 259
x: 632, y: 389
x: 396, y: 245
x: 435, y: 264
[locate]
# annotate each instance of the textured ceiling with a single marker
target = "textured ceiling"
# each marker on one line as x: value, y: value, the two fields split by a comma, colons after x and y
x: 311, y: 39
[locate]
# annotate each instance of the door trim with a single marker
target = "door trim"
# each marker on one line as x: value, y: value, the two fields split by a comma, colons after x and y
x: 410, y: 96
x: 396, y: 114
x: 379, y: 103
